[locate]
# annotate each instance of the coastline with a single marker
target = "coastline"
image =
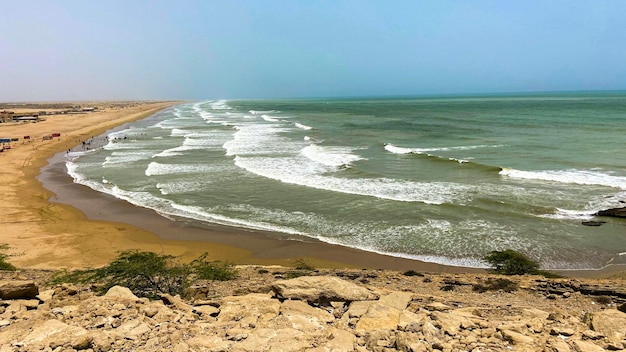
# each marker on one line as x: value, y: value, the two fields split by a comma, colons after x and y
x: 72, y: 226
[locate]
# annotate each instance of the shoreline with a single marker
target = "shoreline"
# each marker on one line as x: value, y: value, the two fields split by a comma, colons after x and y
x: 80, y: 227
x: 261, y: 247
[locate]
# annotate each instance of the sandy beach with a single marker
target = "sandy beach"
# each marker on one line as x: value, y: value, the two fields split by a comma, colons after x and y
x: 44, y: 232
x: 71, y: 226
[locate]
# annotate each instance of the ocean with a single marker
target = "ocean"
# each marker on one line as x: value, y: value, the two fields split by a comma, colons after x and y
x: 440, y: 179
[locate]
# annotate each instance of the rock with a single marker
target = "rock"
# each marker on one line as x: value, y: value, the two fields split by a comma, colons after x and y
x: 250, y: 309
x: 593, y: 223
x: 175, y: 301
x: 535, y: 313
x: 398, y: 300
x: 52, y: 332
x: 614, y: 212
x: 584, y: 346
x: 437, y: 307
x: 610, y: 323
x: 338, y: 340
x: 515, y: 338
x: 81, y: 342
x: 379, y: 317
x: 206, y: 311
x: 303, y: 317
x: 317, y: 289
x: 150, y: 310
x: 45, y: 296
x: 18, y: 289
x: 132, y: 329
x: 119, y: 292
x: 562, y: 331
x: 592, y: 335
x: 615, y: 346
x: 557, y: 345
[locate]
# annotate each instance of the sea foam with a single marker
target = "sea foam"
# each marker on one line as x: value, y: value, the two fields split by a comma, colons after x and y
x: 581, y: 177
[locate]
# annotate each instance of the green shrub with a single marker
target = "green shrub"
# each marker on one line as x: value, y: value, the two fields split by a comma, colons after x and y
x: 292, y: 274
x: 301, y: 264
x: 148, y: 274
x: 510, y: 262
x: 206, y: 270
x: 4, y: 265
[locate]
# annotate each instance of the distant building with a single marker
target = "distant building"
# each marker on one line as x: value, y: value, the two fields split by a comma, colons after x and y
x: 6, y: 116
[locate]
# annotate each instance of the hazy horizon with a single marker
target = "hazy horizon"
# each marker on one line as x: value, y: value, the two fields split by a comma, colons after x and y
x: 194, y: 50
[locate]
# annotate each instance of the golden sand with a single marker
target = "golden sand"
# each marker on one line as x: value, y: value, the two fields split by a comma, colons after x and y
x: 43, y: 234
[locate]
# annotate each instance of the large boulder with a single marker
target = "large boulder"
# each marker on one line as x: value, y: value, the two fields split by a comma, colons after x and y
x: 610, y: 323
x: 318, y: 289
x: 18, y: 289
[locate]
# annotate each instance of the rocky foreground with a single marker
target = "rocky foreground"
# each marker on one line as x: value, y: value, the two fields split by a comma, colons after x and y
x: 330, y: 310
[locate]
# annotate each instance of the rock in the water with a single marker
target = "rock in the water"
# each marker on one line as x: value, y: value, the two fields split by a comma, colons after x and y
x: 614, y: 212
x: 593, y: 223
x: 18, y: 289
x: 316, y: 289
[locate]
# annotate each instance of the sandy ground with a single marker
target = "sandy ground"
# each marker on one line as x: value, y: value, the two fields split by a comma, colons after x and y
x: 83, y: 228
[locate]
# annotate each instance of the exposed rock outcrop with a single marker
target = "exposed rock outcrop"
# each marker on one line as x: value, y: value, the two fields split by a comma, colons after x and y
x: 614, y: 212
x: 322, y: 313
x: 18, y: 289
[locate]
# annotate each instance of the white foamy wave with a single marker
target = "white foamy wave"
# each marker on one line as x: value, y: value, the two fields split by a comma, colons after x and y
x: 113, y: 145
x: 331, y: 156
x: 259, y: 139
x: 120, y: 134
x: 299, y: 172
x: 220, y: 105
x: 401, y: 150
x: 269, y: 118
x: 177, y: 132
x: 180, y: 187
x: 262, y: 112
x: 304, y: 127
x: 173, y: 152
x: 202, y: 214
x: 580, y: 177
x: 565, y: 214
x: 155, y: 169
x: 126, y: 157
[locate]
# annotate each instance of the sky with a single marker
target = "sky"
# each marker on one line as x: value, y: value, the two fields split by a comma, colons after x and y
x: 138, y: 49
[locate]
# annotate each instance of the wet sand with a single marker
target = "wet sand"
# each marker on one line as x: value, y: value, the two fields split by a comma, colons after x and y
x: 66, y: 225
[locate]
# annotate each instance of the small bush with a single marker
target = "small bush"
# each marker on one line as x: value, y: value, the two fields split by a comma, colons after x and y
x: 149, y: 274
x: 301, y: 264
x: 145, y: 273
x: 292, y: 274
x: 218, y: 271
x: 510, y: 262
x: 549, y: 274
x: 4, y: 265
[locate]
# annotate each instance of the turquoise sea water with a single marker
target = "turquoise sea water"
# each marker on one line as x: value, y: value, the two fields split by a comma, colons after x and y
x: 443, y: 179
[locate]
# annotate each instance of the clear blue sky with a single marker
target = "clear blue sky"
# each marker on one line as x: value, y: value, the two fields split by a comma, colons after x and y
x: 135, y: 49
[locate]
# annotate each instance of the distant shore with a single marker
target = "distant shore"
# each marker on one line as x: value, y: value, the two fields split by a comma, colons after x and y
x: 80, y: 227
